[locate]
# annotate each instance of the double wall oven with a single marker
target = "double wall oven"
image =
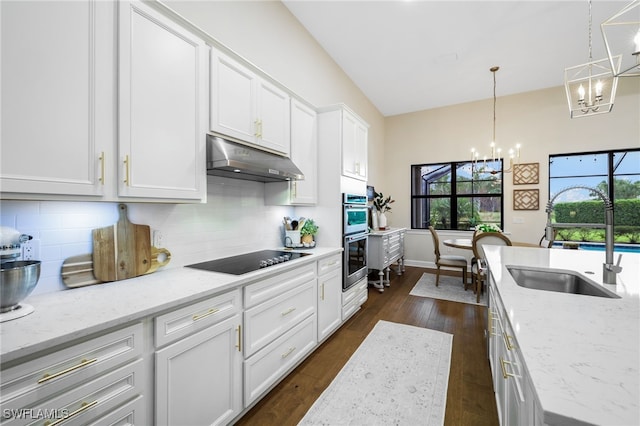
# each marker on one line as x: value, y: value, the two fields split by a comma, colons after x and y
x: 355, y: 231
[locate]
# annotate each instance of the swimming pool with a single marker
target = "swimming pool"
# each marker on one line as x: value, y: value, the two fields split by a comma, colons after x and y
x: 620, y: 248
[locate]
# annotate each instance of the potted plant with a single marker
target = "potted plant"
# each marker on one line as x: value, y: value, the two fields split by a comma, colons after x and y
x: 307, y: 232
x: 488, y: 227
x: 382, y: 205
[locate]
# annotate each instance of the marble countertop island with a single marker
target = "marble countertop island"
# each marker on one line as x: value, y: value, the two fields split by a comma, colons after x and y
x: 581, y: 352
x: 63, y: 316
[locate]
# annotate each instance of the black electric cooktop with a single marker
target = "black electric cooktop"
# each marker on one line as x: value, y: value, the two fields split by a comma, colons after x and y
x: 249, y: 262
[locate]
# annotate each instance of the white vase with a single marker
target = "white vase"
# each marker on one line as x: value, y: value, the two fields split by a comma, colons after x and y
x: 374, y: 219
x: 382, y: 220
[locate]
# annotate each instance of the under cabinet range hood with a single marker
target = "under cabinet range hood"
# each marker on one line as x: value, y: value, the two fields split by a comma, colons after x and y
x: 235, y: 160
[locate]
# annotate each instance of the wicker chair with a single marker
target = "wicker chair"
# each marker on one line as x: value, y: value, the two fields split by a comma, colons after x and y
x: 452, y: 261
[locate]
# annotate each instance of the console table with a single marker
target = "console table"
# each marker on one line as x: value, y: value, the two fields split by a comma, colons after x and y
x: 385, y: 248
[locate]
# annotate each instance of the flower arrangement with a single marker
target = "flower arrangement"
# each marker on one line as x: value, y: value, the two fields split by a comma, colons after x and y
x: 382, y: 204
x: 488, y: 227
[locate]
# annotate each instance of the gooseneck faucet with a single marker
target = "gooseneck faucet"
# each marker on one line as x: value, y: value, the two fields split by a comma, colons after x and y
x: 609, y: 270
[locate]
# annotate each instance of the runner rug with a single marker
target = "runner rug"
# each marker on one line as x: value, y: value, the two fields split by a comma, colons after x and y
x: 397, y: 376
x: 449, y: 288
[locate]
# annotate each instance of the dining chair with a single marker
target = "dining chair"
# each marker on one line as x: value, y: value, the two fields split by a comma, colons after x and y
x: 477, y: 267
x: 448, y: 260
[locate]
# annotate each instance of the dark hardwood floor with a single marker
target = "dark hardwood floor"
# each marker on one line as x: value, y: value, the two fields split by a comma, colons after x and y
x: 470, y: 398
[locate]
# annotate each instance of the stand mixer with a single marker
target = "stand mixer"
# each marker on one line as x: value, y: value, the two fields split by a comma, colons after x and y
x: 18, y: 278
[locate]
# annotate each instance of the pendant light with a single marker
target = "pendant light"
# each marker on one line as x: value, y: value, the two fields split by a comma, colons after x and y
x: 621, y: 34
x: 591, y: 87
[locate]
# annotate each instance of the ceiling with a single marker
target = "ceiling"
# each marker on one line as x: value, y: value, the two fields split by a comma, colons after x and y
x: 413, y: 55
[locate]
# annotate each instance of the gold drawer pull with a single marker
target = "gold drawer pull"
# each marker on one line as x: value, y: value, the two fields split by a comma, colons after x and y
x: 85, y: 406
x: 507, y: 341
x: 101, y: 158
x: 322, y: 296
x: 503, y: 365
x: 288, y: 311
x: 83, y: 363
x: 239, y: 345
x: 287, y: 353
x: 127, y: 164
x: 206, y: 314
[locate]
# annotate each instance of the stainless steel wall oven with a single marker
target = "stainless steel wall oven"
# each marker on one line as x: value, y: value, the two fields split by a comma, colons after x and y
x: 355, y: 238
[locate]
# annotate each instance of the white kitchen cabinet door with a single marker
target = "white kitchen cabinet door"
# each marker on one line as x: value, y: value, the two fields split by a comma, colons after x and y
x: 274, y: 117
x: 247, y: 107
x: 329, y: 303
x: 58, y: 82
x: 163, y: 87
x: 199, y: 378
x: 232, y: 98
x: 354, y: 146
x: 304, y: 154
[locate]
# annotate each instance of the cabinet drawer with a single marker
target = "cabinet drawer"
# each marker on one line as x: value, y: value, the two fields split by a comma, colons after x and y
x: 83, y: 403
x: 329, y: 264
x: 182, y: 322
x: 358, y: 294
x: 131, y: 414
x: 270, y: 364
x: 269, y: 320
x: 24, y: 384
x: 277, y: 284
x: 352, y: 294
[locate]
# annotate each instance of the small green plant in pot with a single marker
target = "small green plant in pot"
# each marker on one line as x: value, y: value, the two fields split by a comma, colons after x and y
x: 308, y: 230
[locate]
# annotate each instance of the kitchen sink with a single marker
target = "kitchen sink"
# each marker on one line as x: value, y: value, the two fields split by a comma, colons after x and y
x: 558, y: 280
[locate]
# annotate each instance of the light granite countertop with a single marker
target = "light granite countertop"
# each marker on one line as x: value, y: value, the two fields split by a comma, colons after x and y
x: 63, y: 316
x: 582, y: 352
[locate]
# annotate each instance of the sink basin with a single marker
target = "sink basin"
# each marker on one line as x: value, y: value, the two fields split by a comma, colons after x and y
x: 558, y: 280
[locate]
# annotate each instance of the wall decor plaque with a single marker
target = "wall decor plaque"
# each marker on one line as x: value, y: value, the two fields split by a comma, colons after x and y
x: 526, y: 199
x: 526, y: 173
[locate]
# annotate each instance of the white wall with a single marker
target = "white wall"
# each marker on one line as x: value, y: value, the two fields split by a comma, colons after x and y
x: 538, y: 120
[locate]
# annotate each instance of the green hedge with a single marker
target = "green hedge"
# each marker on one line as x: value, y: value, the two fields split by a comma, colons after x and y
x: 626, y: 212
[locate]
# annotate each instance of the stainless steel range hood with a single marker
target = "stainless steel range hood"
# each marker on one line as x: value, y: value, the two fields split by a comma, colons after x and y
x: 235, y: 160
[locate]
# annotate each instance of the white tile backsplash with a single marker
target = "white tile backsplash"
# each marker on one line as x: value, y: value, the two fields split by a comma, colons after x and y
x: 234, y: 220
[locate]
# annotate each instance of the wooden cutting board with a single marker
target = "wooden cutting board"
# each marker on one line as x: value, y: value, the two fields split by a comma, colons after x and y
x: 122, y: 250
x: 77, y: 271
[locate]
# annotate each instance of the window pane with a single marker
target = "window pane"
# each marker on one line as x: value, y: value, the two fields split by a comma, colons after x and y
x: 475, y: 210
x: 578, y: 165
x: 488, y: 184
x: 433, y: 179
x: 440, y: 213
x: 558, y: 184
x: 626, y: 162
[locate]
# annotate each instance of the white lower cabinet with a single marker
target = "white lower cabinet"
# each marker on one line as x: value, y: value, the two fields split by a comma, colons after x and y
x: 198, y: 379
x: 270, y: 364
x: 353, y: 298
x: 329, y: 296
x: 515, y: 396
x: 79, y: 384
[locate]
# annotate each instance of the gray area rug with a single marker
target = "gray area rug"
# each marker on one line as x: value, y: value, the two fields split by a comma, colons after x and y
x: 449, y: 288
x: 397, y: 376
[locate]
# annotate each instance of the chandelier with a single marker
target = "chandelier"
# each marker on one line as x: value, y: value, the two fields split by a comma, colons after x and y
x: 621, y: 34
x: 591, y: 87
x: 488, y: 163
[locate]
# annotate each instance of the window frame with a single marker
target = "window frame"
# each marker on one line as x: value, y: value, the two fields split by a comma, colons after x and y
x: 454, y: 195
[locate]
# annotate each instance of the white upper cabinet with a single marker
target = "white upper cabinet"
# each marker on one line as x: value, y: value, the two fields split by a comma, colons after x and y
x: 164, y: 75
x: 354, y: 146
x: 304, y: 154
x: 58, y: 82
x: 247, y: 107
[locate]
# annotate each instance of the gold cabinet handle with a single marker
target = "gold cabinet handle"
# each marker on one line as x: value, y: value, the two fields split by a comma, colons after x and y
x: 85, y: 406
x: 503, y: 366
x: 83, y: 363
x: 322, y: 291
x: 287, y: 353
x: 206, y: 314
x: 260, y: 124
x: 288, y: 311
x: 507, y: 341
x: 239, y: 345
x: 126, y: 170
x: 101, y: 167
x: 294, y: 188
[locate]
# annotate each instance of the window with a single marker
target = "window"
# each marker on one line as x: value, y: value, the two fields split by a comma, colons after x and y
x: 456, y: 195
x: 614, y: 173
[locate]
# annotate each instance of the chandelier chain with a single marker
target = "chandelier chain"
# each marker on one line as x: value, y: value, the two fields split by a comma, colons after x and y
x: 590, y: 56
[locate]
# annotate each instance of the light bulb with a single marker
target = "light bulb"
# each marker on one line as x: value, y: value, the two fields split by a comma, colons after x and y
x: 581, y: 93
x: 599, y: 88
